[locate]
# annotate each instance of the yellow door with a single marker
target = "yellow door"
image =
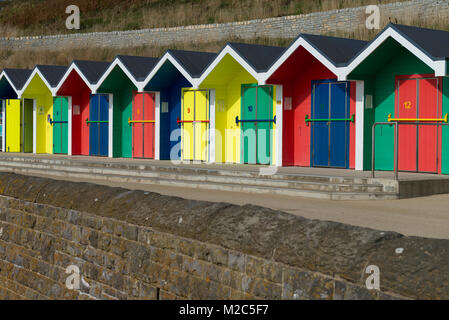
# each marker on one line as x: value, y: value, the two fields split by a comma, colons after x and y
x: 201, y: 125
x: 13, y: 125
x: 188, y: 116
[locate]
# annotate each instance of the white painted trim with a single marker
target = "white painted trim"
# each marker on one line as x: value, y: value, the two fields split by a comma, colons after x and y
x: 117, y: 63
x: 279, y: 125
x: 260, y: 77
x: 157, y: 135
x: 212, y: 126
x: 34, y: 125
x: 69, y: 117
x: 302, y: 42
x: 73, y: 67
x: 168, y: 57
x: 30, y: 78
x: 438, y: 66
x: 359, y: 124
x: 111, y: 126
x: 3, y: 125
x: 3, y: 74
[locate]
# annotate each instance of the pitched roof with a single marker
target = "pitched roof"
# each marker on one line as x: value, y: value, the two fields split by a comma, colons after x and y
x: 139, y: 67
x: 434, y: 43
x: 337, y: 50
x: 18, y: 77
x: 53, y: 74
x: 92, y: 70
x: 259, y: 57
x: 194, y: 62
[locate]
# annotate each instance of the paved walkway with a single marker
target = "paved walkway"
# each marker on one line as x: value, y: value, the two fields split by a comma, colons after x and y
x: 426, y: 217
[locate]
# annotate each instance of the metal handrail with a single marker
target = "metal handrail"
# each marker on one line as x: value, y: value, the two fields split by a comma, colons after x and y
x: 97, y: 121
x: 352, y: 119
x: 445, y: 119
x: 140, y: 121
x: 237, y: 121
x: 396, y: 141
x: 53, y: 122
x: 192, y: 121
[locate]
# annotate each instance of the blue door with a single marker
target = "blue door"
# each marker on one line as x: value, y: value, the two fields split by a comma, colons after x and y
x: 320, y: 129
x: 329, y: 129
x: 93, y: 126
x: 339, y: 130
x: 98, y: 125
x: 104, y: 125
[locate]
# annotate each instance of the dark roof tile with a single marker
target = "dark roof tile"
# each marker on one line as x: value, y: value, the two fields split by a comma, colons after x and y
x: 435, y: 43
x: 18, y: 76
x: 92, y: 70
x: 139, y: 67
x: 260, y: 57
x: 53, y: 74
x: 337, y: 50
x: 194, y: 62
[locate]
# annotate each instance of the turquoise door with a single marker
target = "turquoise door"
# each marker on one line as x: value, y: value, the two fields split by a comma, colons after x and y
x: 256, y: 124
x: 60, y: 125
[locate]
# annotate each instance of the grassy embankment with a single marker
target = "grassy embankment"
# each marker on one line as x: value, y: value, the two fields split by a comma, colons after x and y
x: 151, y: 13
x: 40, y: 17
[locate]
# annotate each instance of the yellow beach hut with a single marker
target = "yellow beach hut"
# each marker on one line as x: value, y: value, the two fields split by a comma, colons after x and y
x: 38, y: 95
x: 244, y: 109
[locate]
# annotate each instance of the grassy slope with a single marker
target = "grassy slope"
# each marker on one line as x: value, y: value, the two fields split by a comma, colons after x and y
x: 29, y: 58
x: 38, y: 17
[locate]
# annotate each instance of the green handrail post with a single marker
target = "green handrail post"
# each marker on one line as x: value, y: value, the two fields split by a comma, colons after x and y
x: 352, y: 119
x: 98, y: 121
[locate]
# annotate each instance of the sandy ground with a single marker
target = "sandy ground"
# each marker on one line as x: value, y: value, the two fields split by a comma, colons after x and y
x: 425, y: 217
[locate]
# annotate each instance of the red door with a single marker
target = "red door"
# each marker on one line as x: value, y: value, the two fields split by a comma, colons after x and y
x: 148, y: 127
x: 143, y: 125
x: 427, y: 134
x: 418, y: 144
x: 407, y: 109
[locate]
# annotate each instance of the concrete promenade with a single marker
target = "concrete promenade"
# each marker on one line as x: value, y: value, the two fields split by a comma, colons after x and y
x: 423, y: 216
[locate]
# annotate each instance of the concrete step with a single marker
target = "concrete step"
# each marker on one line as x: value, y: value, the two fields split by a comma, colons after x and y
x: 187, y: 169
x: 232, y: 177
x: 209, y: 185
x: 274, y: 182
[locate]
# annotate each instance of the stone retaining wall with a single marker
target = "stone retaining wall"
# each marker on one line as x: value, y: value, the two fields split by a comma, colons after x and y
x: 344, y: 20
x: 141, y: 245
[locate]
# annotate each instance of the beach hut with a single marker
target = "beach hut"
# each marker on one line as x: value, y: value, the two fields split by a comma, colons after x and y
x: 320, y: 113
x: 174, y: 78
x: 78, y: 84
x: 245, y: 110
x: 404, y: 73
x: 16, y: 124
x: 129, y: 128
x: 39, y: 94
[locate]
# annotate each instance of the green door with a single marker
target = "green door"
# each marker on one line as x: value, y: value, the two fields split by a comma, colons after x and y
x: 27, y: 126
x: 60, y: 125
x: 249, y: 107
x: 256, y: 124
x: 264, y: 125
